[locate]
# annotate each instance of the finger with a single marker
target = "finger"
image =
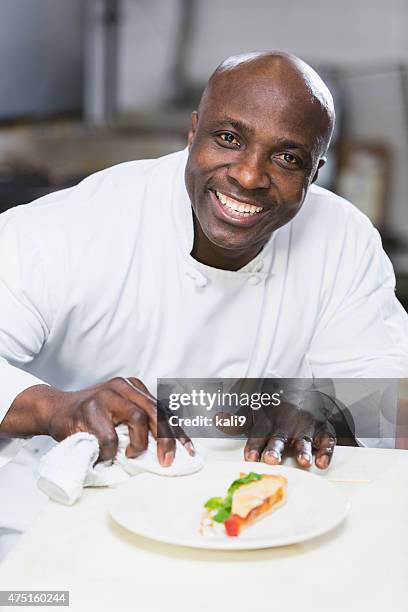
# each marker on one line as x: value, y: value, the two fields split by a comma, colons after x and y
x: 138, y: 426
x: 185, y: 440
x: 302, y: 437
x: 274, y: 449
x: 127, y: 391
x: 165, y: 441
x: 166, y: 444
x: 99, y: 423
x: 165, y: 430
x: 124, y: 389
x: 115, y: 409
x: 166, y: 450
x: 303, y: 424
x: 303, y: 450
x: 324, y: 444
x: 261, y: 423
x: 253, y: 448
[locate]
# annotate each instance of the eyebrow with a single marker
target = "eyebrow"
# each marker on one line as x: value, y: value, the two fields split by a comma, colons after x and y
x: 284, y: 143
x: 281, y: 143
x: 239, y: 125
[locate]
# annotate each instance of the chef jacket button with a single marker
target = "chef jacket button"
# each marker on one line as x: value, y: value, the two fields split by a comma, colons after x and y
x: 254, y: 280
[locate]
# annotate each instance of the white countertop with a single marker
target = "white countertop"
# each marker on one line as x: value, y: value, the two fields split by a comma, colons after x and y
x: 361, y: 565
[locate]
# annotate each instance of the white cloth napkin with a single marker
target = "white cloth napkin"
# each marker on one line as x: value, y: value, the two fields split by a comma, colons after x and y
x: 70, y: 465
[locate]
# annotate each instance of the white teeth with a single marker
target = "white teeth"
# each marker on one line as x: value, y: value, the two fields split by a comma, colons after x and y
x: 243, y: 209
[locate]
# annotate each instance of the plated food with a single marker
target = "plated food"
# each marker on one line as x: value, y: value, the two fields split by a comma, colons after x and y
x: 168, y: 510
x: 249, y: 498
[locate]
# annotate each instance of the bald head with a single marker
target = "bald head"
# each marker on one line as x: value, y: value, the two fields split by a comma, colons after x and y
x: 273, y: 71
x: 256, y: 145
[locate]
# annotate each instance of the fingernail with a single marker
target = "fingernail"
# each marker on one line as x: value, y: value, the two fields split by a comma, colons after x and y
x: 168, y: 459
x: 323, y: 462
x: 272, y: 453
x: 190, y: 448
x: 307, y: 457
x: 253, y: 455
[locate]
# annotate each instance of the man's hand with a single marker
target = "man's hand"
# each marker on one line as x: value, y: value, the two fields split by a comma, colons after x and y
x: 287, y: 426
x: 96, y: 410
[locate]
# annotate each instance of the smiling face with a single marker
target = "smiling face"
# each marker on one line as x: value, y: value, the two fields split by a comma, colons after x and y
x: 255, y: 147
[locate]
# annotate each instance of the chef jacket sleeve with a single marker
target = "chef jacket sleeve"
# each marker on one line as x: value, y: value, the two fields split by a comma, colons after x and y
x: 25, y: 317
x: 362, y: 329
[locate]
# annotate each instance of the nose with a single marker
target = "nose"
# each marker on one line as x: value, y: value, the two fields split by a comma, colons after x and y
x: 250, y: 172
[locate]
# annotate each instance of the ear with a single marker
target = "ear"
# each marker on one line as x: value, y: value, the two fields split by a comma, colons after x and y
x: 322, y: 161
x: 192, y: 130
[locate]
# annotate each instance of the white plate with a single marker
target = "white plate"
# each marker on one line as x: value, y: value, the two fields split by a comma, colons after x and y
x: 169, y: 509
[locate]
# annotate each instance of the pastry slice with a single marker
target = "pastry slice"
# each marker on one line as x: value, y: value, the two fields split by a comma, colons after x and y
x: 249, y: 498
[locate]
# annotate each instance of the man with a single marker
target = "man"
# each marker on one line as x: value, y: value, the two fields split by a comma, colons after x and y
x: 246, y: 269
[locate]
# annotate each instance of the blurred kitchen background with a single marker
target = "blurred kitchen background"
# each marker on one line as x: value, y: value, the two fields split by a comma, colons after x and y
x: 85, y: 84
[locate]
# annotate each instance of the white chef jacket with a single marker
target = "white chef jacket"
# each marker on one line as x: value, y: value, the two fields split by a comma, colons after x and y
x: 98, y: 281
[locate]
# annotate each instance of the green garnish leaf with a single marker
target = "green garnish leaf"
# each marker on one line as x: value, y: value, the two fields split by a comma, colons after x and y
x: 224, y: 504
x: 214, y: 503
x: 222, y: 515
x: 251, y: 477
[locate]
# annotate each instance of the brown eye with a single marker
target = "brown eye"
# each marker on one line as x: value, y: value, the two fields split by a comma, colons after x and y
x: 288, y: 158
x: 229, y: 138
